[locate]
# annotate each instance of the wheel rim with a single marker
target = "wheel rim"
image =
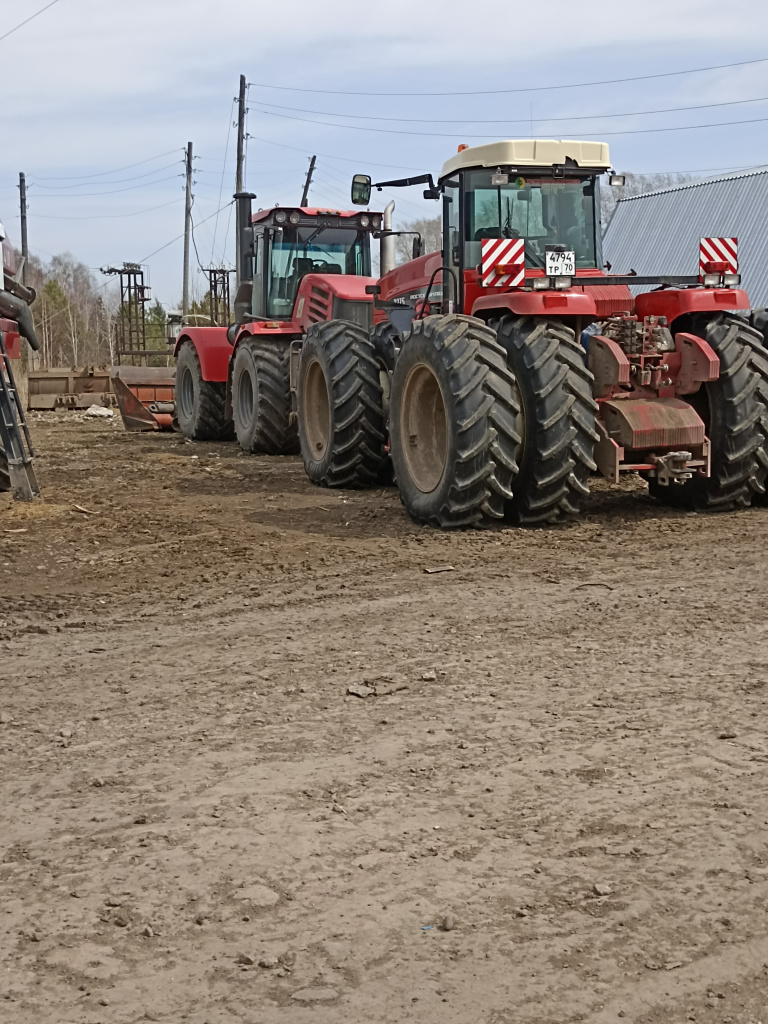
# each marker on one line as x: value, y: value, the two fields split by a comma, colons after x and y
x: 317, y: 410
x: 245, y: 397
x: 424, y: 428
x: 519, y: 419
x: 186, y: 390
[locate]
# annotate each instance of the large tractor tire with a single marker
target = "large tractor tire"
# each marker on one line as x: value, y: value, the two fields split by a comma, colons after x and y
x: 339, y: 398
x: 5, y: 476
x: 452, y: 423
x: 199, y: 403
x: 557, y: 418
x: 735, y: 411
x: 261, y: 397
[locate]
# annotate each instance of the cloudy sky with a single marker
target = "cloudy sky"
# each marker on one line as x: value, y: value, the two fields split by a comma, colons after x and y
x: 99, y: 98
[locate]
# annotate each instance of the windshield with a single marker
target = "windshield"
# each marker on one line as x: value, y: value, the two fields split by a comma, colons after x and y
x: 542, y: 210
x: 312, y: 250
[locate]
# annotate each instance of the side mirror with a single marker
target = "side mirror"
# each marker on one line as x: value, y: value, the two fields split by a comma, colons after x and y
x: 617, y: 180
x: 416, y: 248
x: 361, y: 189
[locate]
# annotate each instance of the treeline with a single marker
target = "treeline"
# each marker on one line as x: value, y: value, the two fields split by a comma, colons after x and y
x: 78, y: 318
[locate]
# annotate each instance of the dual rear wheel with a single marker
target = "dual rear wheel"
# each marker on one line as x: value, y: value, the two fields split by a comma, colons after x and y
x: 498, y: 421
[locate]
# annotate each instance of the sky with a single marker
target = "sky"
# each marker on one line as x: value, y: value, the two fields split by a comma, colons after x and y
x: 99, y: 99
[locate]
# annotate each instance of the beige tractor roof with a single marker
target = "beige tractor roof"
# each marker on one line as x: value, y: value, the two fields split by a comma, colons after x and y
x: 530, y: 153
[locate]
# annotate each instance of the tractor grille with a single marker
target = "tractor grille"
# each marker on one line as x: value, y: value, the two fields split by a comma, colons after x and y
x: 319, y: 304
x: 360, y: 313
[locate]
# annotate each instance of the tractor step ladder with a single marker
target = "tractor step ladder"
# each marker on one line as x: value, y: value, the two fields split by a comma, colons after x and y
x: 14, y: 434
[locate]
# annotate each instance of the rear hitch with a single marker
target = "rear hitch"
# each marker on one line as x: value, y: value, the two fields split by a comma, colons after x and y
x: 672, y: 468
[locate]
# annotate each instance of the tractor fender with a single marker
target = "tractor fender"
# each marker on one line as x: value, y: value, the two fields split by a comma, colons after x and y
x: 550, y: 304
x: 213, y: 350
x: 674, y: 302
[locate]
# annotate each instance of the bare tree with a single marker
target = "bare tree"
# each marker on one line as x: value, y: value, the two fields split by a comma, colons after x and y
x: 430, y: 229
x: 635, y: 185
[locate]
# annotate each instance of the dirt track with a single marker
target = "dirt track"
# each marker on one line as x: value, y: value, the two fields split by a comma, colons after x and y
x: 565, y: 753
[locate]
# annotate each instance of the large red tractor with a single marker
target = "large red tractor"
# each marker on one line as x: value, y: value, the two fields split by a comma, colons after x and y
x: 298, y: 266
x: 502, y: 372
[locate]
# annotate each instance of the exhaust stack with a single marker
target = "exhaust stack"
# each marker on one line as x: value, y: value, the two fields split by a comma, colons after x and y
x: 387, y: 241
x: 244, y: 255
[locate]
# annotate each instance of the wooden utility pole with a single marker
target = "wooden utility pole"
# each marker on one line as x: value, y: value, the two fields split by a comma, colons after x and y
x: 187, y: 232
x: 308, y: 182
x: 24, y: 245
x: 239, y: 171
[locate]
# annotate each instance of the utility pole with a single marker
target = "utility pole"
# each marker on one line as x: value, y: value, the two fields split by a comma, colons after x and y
x: 24, y: 246
x: 308, y: 182
x: 239, y: 172
x: 187, y: 231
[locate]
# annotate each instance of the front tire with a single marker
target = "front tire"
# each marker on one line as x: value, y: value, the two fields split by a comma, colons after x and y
x: 261, y: 398
x: 199, y: 403
x: 557, y: 422
x: 452, y: 423
x: 735, y: 411
x: 339, y: 397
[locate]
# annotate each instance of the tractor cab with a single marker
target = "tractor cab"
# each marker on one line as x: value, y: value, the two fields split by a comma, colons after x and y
x: 283, y: 245
x: 516, y: 214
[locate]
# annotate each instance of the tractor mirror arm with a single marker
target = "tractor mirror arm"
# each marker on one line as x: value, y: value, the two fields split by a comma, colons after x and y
x: 420, y: 179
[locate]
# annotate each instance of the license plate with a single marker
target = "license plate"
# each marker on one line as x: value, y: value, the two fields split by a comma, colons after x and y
x: 560, y: 264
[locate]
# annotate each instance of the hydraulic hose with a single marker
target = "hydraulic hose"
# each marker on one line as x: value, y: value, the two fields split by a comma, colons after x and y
x: 16, y: 309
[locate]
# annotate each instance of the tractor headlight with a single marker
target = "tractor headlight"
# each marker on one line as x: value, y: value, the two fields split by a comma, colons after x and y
x: 281, y: 217
x: 376, y: 223
x: 731, y: 280
x: 365, y: 221
x: 540, y: 284
x: 295, y: 217
x: 562, y: 284
x: 711, y: 280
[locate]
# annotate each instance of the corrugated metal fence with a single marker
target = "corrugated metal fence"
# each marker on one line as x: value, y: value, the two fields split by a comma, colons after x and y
x: 659, y: 232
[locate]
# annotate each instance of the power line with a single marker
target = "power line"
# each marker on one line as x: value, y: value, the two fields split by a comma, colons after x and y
x: 117, y: 181
x: 534, y: 88
x: 144, y: 260
x: 343, y: 159
x: 526, y: 120
x: 27, y: 20
x: 223, y: 172
x: 110, y: 216
x: 112, y: 192
x: 117, y: 170
x: 465, y: 135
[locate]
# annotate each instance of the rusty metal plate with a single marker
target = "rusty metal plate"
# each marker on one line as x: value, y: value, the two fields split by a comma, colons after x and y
x: 653, y: 423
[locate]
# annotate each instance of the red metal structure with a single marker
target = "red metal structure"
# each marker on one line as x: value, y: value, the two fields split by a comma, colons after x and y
x: 511, y: 366
x: 17, y: 473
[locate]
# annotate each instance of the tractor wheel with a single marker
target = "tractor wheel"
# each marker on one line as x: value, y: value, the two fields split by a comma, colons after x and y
x: 341, y: 419
x: 557, y: 418
x: 5, y: 476
x: 386, y: 346
x: 735, y: 411
x: 261, y: 397
x: 199, y: 403
x: 452, y: 422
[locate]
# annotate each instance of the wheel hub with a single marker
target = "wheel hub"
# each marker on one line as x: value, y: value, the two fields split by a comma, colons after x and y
x: 317, y: 410
x: 424, y: 425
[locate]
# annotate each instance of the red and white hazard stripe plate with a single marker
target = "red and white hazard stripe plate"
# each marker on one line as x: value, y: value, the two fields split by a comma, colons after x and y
x: 503, y: 262
x: 719, y: 250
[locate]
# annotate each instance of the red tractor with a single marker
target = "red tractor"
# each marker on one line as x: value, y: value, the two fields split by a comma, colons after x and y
x: 502, y: 372
x: 298, y: 267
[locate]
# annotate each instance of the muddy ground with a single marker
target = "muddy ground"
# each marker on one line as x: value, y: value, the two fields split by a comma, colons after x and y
x: 546, y: 801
